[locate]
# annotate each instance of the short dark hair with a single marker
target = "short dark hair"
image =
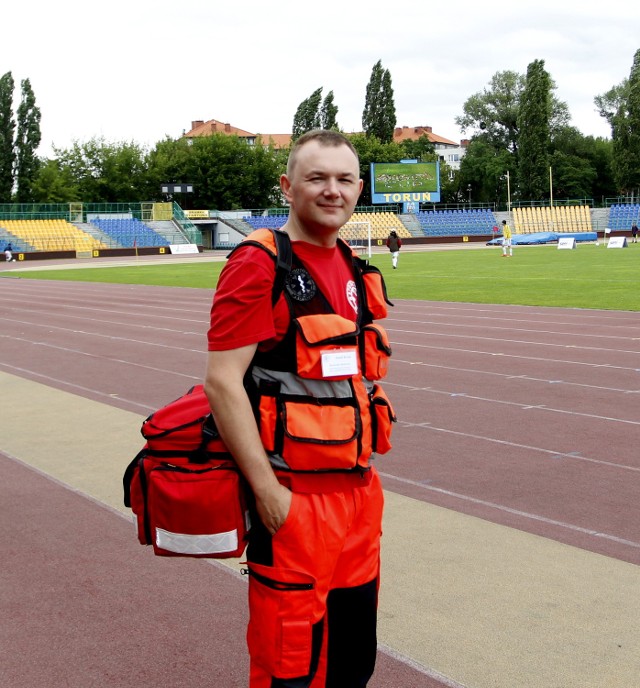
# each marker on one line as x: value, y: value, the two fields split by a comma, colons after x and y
x: 504, y: 222
x: 325, y: 137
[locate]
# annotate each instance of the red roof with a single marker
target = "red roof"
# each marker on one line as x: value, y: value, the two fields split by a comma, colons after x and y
x: 212, y: 126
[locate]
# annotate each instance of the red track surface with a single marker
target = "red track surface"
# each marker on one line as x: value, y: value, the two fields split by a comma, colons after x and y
x: 527, y: 417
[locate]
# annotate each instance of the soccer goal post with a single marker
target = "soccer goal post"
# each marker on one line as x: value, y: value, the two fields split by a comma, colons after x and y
x: 357, y: 235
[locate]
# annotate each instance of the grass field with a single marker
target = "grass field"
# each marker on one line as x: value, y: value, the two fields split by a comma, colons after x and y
x: 589, y: 276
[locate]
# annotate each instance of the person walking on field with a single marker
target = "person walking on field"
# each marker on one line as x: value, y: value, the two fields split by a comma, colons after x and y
x: 394, y: 242
x: 634, y: 232
x: 506, y: 240
x: 302, y: 422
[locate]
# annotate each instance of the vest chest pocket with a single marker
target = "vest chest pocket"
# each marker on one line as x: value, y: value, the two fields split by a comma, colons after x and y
x: 326, y: 347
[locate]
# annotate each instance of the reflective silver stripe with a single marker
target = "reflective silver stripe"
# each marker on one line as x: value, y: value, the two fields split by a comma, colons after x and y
x: 216, y: 543
x: 291, y: 384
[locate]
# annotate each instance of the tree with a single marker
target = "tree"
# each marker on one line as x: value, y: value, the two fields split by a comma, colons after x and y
x: 315, y: 113
x: 103, y: 172
x: 28, y: 139
x: 620, y: 106
x: 581, y: 166
x: 493, y: 113
x: 534, y: 135
x: 7, y: 129
x: 630, y: 182
x: 422, y: 149
x: 308, y: 115
x: 379, y: 115
x: 484, y: 168
x: 371, y: 149
x: 329, y: 112
x: 226, y: 172
x: 610, y: 102
x: 54, y: 184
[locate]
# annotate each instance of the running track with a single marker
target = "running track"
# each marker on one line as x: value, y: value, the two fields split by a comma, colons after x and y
x: 512, y: 542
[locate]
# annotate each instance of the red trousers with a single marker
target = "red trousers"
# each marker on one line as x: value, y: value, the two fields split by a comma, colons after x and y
x: 313, y: 590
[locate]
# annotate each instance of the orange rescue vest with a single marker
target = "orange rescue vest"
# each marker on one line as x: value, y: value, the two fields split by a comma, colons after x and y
x: 315, y: 393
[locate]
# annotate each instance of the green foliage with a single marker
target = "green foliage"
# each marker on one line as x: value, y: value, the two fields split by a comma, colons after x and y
x: 225, y: 171
x: 609, y: 103
x: 519, y: 117
x: 493, y: 113
x: 379, y: 115
x: 581, y: 165
x: 27, y: 141
x: 7, y: 129
x: 329, y: 112
x: 620, y: 106
x: 534, y: 138
x: 308, y: 115
x: 422, y: 149
x: 99, y: 172
x: 371, y: 149
x: 315, y: 113
x: 588, y: 277
x: 54, y: 184
x: 483, y: 167
x: 633, y: 115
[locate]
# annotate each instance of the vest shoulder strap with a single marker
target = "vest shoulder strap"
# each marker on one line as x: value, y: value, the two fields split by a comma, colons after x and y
x: 278, y: 245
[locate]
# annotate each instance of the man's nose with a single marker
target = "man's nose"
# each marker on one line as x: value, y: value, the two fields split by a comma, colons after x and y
x: 331, y: 187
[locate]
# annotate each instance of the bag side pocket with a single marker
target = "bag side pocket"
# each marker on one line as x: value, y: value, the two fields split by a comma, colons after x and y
x: 382, y: 418
x: 375, y: 352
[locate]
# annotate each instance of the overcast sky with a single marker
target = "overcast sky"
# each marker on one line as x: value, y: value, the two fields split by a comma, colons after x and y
x: 140, y: 70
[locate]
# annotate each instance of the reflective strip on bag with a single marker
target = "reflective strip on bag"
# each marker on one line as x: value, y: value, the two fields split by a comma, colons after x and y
x: 179, y: 543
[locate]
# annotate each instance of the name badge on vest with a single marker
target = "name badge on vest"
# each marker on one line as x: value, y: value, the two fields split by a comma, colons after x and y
x: 339, y: 363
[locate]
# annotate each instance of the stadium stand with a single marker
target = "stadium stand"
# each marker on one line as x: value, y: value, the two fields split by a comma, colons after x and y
x: 561, y: 219
x: 129, y: 233
x: 381, y: 224
x: 443, y: 223
x: 268, y: 221
x: 621, y: 217
x: 49, y: 235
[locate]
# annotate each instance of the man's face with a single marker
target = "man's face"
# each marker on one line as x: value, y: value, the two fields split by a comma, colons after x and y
x: 323, y: 188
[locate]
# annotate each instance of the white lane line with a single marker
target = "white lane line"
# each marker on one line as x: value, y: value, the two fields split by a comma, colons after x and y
x: 512, y: 341
x: 486, y: 328
x: 516, y: 512
x: 516, y: 445
x: 64, y: 384
x: 544, y: 359
x: 515, y: 404
x: 529, y: 378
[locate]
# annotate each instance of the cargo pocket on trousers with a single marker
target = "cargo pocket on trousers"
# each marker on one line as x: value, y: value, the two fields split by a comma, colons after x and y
x: 279, y: 635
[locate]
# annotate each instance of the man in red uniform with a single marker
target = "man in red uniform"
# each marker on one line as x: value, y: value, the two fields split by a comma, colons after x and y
x: 314, y: 548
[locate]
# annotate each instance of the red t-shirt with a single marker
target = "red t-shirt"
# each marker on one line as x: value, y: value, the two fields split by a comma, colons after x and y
x: 242, y: 312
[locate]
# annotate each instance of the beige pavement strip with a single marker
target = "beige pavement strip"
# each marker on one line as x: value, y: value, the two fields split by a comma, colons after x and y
x: 485, y: 605
x: 82, y: 443
x: 490, y: 606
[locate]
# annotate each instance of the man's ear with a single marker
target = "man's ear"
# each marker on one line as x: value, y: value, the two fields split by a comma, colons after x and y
x: 285, y: 185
